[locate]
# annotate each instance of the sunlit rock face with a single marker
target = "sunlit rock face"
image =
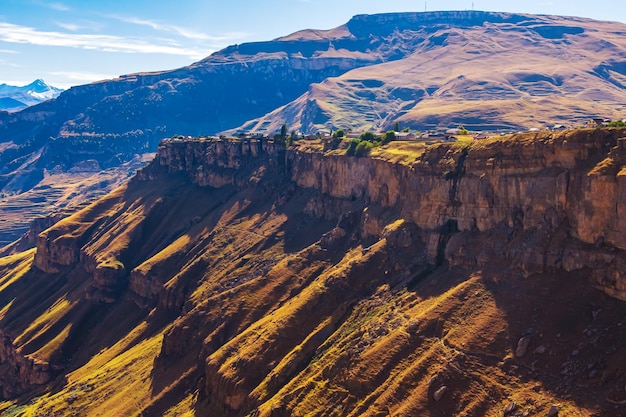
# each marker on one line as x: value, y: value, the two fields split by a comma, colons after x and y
x: 231, y: 277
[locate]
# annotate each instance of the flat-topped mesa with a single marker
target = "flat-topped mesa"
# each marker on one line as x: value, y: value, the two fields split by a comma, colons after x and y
x: 481, y: 185
x: 528, y: 181
x: 461, y: 18
x: 213, y: 162
x: 564, y: 186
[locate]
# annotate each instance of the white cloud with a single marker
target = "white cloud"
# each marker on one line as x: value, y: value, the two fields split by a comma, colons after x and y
x: 25, y: 35
x: 9, y: 64
x: 58, y: 6
x: 184, y: 32
x: 69, y: 26
x: 8, y: 51
x: 82, y: 76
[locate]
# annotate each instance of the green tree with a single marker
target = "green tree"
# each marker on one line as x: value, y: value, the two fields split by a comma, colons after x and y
x: 339, y: 133
x: 292, y: 137
x: 463, y: 130
x: 396, y: 126
x: 283, y: 133
x: 369, y: 136
x: 352, y: 147
x: 363, y: 148
x: 389, y: 136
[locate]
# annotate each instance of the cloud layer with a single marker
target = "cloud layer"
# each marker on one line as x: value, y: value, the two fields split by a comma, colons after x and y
x: 109, y: 43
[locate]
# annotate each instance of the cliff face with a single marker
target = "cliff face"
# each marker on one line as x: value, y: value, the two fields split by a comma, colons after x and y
x: 238, y: 277
x: 19, y: 373
x: 532, y: 182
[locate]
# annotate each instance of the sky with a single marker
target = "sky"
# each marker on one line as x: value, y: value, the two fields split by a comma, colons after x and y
x: 70, y: 42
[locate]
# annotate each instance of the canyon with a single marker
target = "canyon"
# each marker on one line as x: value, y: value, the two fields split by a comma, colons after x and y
x: 243, y: 277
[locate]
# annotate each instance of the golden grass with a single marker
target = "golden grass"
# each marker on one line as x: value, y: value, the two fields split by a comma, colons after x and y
x: 45, y: 321
x: 18, y: 257
x: 608, y: 166
x: 6, y: 308
x: 45, y: 352
x: 400, y: 151
x: 178, y: 246
x: 16, y: 266
x: 185, y: 408
x: 113, y: 383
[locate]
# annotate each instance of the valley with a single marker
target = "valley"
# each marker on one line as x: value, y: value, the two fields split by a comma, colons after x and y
x: 53, y: 197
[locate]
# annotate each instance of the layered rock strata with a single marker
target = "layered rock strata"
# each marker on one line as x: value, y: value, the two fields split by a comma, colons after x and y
x: 530, y: 181
x: 263, y: 268
x: 19, y: 373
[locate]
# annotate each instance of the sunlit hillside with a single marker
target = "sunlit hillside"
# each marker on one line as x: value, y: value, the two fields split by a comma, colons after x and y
x: 240, y: 278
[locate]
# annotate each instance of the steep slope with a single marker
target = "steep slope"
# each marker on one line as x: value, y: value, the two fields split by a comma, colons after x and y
x: 50, y: 196
x: 482, y: 70
x: 241, y: 278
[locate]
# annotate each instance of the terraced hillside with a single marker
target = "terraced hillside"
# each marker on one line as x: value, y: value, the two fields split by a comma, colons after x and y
x: 242, y: 278
x: 54, y: 195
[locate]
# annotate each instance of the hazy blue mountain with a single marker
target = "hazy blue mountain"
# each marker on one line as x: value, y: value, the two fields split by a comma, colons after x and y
x: 13, y: 98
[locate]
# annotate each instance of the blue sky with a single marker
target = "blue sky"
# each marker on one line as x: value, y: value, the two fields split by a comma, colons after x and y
x: 69, y: 42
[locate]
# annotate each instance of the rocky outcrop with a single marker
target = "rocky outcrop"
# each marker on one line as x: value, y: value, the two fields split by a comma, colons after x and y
x: 56, y: 254
x: 108, y: 278
x: 18, y: 373
x: 530, y: 182
x: 216, y: 162
x: 539, y: 201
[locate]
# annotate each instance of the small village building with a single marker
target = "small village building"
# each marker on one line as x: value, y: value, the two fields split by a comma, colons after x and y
x: 405, y: 136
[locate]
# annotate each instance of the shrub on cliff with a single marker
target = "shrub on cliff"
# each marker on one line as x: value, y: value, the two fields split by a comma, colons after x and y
x: 352, y: 147
x: 339, y: 133
x: 364, y: 147
x: 619, y: 123
x: 369, y: 136
x: 389, y: 136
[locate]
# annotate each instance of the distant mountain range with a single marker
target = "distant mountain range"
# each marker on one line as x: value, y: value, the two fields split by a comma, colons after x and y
x: 483, y: 70
x: 14, y: 98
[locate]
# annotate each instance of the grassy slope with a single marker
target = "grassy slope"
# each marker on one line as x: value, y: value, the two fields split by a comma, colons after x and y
x: 257, y: 313
x: 484, y: 77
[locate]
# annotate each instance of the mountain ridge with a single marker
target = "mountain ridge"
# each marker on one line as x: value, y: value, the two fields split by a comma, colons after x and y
x: 416, y: 92
x: 15, y: 98
x: 434, y: 70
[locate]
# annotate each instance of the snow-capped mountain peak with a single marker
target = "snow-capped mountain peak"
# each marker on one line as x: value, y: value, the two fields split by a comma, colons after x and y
x: 13, y: 98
